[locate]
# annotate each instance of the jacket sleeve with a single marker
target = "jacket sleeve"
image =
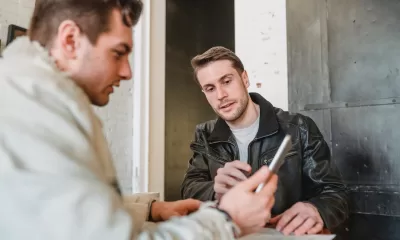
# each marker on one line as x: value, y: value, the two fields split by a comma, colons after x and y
x: 197, y: 182
x: 322, y: 181
x: 52, y: 187
x: 67, y: 207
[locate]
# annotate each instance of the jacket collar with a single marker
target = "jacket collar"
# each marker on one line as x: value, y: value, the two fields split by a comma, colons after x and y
x: 23, y: 48
x: 268, y: 122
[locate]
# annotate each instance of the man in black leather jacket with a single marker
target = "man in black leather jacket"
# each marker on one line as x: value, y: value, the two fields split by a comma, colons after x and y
x: 246, y: 136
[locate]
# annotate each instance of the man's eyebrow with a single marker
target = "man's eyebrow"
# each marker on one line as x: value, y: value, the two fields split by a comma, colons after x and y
x: 225, y: 76
x: 219, y: 80
x: 126, y: 47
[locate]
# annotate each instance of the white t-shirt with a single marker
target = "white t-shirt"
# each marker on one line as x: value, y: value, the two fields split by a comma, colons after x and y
x: 244, y: 136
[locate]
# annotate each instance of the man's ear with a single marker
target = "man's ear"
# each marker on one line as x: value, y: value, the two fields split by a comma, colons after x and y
x: 245, y: 79
x: 68, y: 39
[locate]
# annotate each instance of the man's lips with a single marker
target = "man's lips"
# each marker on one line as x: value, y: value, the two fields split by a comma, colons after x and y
x: 226, y: 105
x: 111, y: 87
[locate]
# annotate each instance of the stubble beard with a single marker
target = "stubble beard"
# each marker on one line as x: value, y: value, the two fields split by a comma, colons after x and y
x: 238, y: 112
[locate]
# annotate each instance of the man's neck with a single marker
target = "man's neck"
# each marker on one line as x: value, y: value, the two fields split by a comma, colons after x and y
x: 249, y: 116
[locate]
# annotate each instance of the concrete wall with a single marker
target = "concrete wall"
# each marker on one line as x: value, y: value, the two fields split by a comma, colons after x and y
x: 189, y: 31
x: 117, y: 116
x: 260, y: 41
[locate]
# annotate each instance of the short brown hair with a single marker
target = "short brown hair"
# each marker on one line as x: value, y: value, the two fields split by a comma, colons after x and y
x: 92, y: 17
x: 216, y: 54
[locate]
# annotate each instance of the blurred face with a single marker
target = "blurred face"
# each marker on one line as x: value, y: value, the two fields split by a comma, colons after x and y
x: 97, y: 69
x: 225, y: 89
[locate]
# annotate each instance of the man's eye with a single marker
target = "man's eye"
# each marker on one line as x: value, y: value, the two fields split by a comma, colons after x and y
x: 227, y: 81
x: 209, y: 89
x: 118, y: 54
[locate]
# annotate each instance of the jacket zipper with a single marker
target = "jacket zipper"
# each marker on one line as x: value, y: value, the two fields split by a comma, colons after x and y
x: 256, y: 139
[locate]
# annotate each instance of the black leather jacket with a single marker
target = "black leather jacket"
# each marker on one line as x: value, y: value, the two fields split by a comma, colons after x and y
x: 307, y: 174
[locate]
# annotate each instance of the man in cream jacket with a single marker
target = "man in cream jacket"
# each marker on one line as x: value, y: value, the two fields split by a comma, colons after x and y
x: 57, y: 179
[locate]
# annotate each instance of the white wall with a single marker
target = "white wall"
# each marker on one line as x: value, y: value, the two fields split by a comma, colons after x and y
x: 117, y: 124
x: 117, y: 116
x: 261, y: 43
x: 14, y: 12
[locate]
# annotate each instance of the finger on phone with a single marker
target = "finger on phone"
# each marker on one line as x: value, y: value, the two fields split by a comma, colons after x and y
x: 258, y: 177
x: 270, y: 187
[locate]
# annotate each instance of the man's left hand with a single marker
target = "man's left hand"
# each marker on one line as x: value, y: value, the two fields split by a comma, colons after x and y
x: 162, y: 211
x: 301, y: 218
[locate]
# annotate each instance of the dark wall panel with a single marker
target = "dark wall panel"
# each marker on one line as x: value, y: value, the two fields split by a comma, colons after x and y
x: 366, y: 141
x: 364, y: 49
x: 344, y: 58
x: 308, y: 71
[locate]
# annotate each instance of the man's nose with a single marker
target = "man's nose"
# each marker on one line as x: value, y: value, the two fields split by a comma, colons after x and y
x: 125, y: 72
x: 221, y: 93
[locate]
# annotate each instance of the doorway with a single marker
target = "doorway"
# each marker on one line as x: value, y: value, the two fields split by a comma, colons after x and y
x: 191, y: 28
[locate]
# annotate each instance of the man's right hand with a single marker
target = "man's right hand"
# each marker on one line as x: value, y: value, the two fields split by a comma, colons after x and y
x: 250, y: 210
x: 229, y: 176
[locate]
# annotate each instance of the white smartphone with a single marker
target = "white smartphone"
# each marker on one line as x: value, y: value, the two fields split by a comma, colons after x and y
x: 279, y: 158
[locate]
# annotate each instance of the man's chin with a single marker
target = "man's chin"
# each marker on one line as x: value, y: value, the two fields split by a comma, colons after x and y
x: 227, y: 117
x: 101, y: 102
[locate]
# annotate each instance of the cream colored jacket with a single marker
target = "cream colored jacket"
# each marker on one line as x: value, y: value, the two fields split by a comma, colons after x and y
x: 56, y: 172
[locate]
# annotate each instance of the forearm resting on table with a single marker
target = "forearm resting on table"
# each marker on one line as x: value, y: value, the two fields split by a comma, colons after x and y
x: 139, y: 205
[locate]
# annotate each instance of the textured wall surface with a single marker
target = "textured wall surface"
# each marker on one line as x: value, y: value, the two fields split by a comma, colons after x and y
x: 117, y: 119
x: 260, y: 41
x: 117, y: 116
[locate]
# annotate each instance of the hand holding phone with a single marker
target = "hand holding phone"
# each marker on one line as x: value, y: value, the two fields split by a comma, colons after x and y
x: 279, y: 158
